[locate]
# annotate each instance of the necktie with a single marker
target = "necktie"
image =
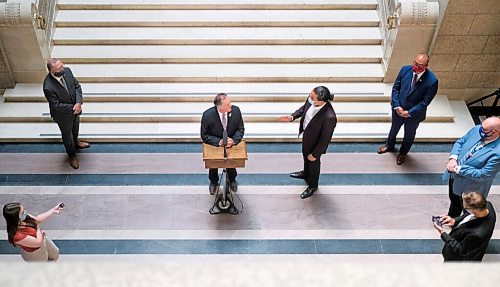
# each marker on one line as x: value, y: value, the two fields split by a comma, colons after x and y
x: 224, y: 121
x: 475, y: 148
x: 415, y: 77
x: 63, y: 82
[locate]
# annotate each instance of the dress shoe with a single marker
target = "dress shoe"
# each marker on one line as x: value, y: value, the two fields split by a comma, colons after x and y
x: 401, y: 159
x: 82, y: 145
x: 234, y: 186
x: 298, y: 174
x: 384, y: 149
x: 308, y: 192
x: 73, y: 161
x: 212, y: 188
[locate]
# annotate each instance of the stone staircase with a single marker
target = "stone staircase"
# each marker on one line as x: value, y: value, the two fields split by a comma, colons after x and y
x: 150, y: 68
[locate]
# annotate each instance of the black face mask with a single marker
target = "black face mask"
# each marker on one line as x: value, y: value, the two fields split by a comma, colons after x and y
x: 59, y: 74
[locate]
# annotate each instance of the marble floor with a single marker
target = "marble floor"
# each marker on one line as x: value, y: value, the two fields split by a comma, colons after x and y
x: 149, y: 203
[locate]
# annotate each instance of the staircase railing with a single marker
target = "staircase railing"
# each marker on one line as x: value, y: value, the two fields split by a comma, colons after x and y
x: 389, y: 16
x: 45, y: 15
x: 482, y: 110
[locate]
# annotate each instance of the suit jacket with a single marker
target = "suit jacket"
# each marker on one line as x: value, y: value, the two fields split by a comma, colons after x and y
x: 469, y: 240
x: 61, y: 101
x: 212, y: 130
x: 479, y: 171
x: 415, y: 100
x: 318, y: 134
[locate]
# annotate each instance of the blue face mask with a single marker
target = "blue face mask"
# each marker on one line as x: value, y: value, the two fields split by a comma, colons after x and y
x: 483, y: 134
x: 24, y: 214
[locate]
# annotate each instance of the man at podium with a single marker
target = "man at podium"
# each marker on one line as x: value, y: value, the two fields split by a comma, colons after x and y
x: 222, y: 117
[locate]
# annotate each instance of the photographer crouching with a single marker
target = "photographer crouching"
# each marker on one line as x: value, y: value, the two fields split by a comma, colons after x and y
x: 24, y: 232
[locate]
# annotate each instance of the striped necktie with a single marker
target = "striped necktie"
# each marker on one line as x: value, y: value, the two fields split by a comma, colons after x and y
x: 475, y: 148
x: 224, y: 121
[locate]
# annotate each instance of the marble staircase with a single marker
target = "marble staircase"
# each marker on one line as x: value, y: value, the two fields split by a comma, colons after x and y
x: 150, y: 68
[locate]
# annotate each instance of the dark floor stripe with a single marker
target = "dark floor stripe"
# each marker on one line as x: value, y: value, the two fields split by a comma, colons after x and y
x: 346, y: 246
x: 196, y: 147
x: 202, y: 179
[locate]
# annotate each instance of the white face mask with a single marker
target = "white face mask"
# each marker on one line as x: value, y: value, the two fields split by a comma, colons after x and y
x: 310, y: 100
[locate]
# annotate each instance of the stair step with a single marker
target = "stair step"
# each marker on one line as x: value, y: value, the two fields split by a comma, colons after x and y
x: 218, y: 36
x: 228, y: 72
x: 254, y: 131
x: 216, y: 4
x: 439, y: 111
x: 219, y: 54
x: 217, y: 18
x: 205, y: 92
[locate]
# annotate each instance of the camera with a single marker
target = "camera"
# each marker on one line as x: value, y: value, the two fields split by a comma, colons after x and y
x: 437, y: 220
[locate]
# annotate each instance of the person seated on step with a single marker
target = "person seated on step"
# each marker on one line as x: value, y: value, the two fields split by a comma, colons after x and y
x: 318, y: 120
x: 64, y: 94
x: 471, y: 232
x: 24, y: 232
x: 223, y: 116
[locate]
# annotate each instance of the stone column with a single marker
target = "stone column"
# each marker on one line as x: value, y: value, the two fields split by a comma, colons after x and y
x: 24, y: 48
x: 415, y: 24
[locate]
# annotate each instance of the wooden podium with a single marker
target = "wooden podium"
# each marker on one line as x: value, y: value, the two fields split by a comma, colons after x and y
x: 214, y: 156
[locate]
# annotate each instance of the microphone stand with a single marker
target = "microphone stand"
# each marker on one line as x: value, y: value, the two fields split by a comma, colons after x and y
x: 223, y: 204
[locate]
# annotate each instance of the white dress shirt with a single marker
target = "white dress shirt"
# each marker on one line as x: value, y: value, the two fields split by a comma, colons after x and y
x: 311, y: 112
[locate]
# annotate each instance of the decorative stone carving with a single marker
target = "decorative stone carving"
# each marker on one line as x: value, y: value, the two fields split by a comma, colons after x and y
x: 17, y: 12
x: 419, y: 13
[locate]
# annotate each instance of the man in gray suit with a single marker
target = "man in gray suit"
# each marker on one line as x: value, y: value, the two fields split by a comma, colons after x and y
x: 64, y: 94
x: 473, y: 163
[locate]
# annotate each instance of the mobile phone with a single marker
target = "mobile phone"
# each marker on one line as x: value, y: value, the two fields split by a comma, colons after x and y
x: 437, y: 220
x: 61, y: 205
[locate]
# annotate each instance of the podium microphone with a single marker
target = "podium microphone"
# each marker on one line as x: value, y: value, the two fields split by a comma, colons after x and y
x: 224, y: 142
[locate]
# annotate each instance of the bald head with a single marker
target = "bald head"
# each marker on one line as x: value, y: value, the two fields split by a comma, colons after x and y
x: 422, y: 59
x: 491, y: 127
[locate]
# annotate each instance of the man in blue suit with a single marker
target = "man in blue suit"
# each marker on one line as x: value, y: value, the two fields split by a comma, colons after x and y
x: 473, y: 164
x: 413, y: 91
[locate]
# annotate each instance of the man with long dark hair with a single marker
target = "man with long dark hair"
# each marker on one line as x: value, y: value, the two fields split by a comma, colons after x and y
x: 318, y: 120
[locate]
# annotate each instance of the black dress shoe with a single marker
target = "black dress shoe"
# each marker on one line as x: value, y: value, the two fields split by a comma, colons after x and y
x: 212, y: 188
x: 234, y: 186
x: 401, y: 159
x: 298, y: 174
x: 308, y: 192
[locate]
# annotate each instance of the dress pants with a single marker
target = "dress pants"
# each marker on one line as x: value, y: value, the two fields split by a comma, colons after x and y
x: 69, y: 125
x: 311, y: 171
x: 213, y: 175
x: 411, y: 125
x: 47, y: 252
x: 456, y: 207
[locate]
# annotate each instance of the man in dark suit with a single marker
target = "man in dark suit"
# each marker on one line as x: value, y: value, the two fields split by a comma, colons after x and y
x: 318, y: 120
x: 64, y: 94
x: 222, y: 116
x: 471, y: 232
x: 413, y: 91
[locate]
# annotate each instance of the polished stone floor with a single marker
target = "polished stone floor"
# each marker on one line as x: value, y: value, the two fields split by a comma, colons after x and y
x: 149, y: 202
